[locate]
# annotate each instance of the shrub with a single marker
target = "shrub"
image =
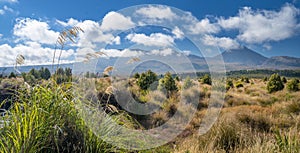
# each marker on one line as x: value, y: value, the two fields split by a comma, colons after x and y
x: 275, y: 83
x: 187, y: 83
x: 284, y: 80
x: 206, y: 79
x: 239, y: 85
x: 229, y: 84
x: 169, y: 83
x: 12, y: 75
x: 146, y: 79
x: 292, y: 85
x: 136, y: 75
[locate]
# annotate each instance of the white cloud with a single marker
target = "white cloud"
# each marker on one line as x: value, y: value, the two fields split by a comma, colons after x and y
x: 116, y: 40
x: 267, y: 46
x: 6, y: 9
x: 157, y: 12
x: 9, y: 1
x: 1, y: 35
x: 178, y: 33
x: 70, y: 22
x: 163, y: 52
x: 155, y: 39
x: 223, y: 42
x: 33, y: 52
x: 116, y: 21
x: 258, y: 26
x: 34, y: 30
x: 92, y: 34
x: 204, y: 26
x: 186, y: 52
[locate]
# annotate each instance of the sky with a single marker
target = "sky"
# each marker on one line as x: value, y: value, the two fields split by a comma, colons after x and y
x: 115, y: 27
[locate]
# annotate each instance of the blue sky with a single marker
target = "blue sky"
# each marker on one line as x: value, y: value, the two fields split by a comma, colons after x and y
x: 31, y: 28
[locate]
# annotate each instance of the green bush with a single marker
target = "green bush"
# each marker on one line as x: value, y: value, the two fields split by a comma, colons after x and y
x: 187, y: 83
x: 284, y: 80
x: 206, y: 79
x: 12, y: 75
x: 293, y: 85
x: 146, y: 79
x: 44, y: 119
x: 275, y: 83
x: 229, y: 84
x: 239, y: 85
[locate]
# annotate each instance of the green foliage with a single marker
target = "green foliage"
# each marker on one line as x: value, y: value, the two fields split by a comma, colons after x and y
x: 245, y: 79
x: 229, y: 84
x: 293, y: 85
x: 136, y: 75
x: 44, y: 73
x: 177, y: 78
x: 146, y: 80
x: 62, y: 75
x: 284, y: 80
x: 239, y: 85
x: 34, y: 73
x: 169, y: 82
x: 187, y: 83
x: 287, y: 142
x: 12, y: 75
x: 275, y: 83
x: 265, y: 79
x: 206, y: 79
x: 45, y: 120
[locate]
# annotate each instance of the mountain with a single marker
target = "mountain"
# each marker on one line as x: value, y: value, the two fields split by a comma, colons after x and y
x: 282, y: 62
x: 243, y: 56
x: 236, y: 59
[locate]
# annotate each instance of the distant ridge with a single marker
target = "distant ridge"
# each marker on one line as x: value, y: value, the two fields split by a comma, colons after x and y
x: 243, y: 56
x: 235, y: 59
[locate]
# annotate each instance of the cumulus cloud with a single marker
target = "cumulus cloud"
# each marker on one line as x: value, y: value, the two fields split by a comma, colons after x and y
x: 92, y: 34
x: 204, y: 26
x: 154, y: 39
x: 116, y: 40
x: 163, y: 52
x: 116, y: 21
x: 34, y: 30
x: 223, y: 42
x: 33, y: 52
x: 258, y: 26
x: 70, y: 22
x: 156, y: 12
x: 178, y: 33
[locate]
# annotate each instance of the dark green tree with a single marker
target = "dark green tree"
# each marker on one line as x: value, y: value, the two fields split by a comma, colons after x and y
x: 34, y: 73
x: 275, y: 83
x: 169, y: 82
x: 12, y: 75
x: 146, y: 79
x: 45, y: 73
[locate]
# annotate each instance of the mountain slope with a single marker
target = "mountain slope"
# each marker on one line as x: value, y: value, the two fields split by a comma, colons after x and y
x: 243, y: 56
x: 282, y: 62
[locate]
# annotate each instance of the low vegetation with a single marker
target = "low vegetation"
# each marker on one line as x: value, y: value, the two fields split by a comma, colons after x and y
x: 260, y: 114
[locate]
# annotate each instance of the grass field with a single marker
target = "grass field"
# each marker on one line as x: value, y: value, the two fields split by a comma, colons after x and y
x: 44, y: 118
